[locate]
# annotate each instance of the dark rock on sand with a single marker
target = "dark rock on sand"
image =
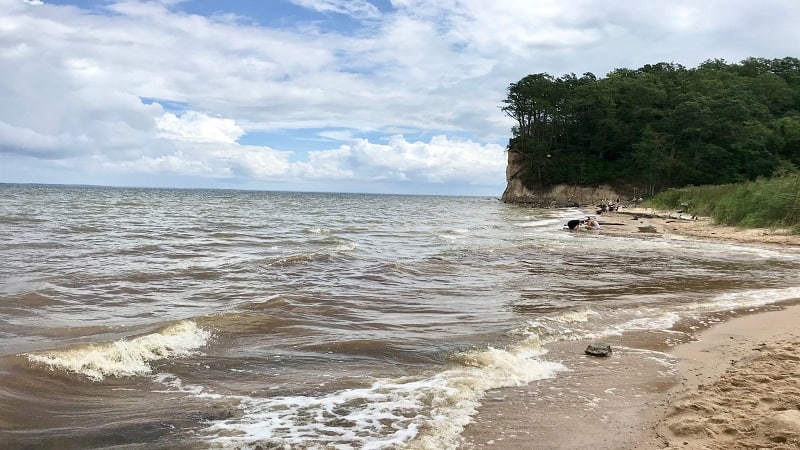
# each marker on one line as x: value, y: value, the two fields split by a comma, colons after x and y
x: 598, y: 350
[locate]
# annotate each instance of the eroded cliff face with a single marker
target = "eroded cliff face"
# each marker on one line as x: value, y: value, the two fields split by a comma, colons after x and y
x: 516, y: 191
x: 554, y: 197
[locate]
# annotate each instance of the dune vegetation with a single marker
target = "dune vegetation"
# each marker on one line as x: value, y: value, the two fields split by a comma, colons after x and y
x: 767, y: 203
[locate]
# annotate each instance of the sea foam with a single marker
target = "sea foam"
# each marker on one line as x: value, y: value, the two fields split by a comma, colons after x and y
x: 127, y: 357
x: 412, y: 412
x: 755, y: 298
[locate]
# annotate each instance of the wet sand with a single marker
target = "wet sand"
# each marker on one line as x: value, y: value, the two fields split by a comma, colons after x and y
x: 736, y: 386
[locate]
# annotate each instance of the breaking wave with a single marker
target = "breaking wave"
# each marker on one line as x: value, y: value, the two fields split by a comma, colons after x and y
x: 418, y: 413
x: 125, y: 358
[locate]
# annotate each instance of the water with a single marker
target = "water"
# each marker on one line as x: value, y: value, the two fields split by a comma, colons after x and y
x: 151, y: 318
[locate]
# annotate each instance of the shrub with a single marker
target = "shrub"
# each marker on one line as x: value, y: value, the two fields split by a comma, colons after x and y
x: 763, y: 203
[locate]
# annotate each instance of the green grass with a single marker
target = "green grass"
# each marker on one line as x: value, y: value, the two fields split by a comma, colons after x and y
x: 764, y: 203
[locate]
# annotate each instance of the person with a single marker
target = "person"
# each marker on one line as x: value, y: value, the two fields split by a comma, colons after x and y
x: 592, y: 224
x: 574, y: 224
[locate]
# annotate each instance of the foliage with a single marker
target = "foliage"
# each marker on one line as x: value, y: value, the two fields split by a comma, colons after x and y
x: 768, y: 203
x: 659, y: 126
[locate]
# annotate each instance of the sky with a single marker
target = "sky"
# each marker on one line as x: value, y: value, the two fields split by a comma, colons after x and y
x: 378, y: 96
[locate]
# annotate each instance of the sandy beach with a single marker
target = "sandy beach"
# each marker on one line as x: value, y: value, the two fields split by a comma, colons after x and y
x: 740, y: 386
x: 735, y: 385
x: 643, y: 221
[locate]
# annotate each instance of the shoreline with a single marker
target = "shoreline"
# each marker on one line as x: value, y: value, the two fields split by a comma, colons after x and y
x: 739, y: 387
x: 731, y: 387
x: 647, y: 221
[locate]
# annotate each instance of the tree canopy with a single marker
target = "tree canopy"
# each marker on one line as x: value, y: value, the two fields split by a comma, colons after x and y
x: 659, y: 126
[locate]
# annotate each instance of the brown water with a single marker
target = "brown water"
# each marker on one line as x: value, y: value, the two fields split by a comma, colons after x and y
x: 150, y: 318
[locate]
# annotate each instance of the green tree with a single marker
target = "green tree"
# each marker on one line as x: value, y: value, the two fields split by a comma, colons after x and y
x: 660, y: 125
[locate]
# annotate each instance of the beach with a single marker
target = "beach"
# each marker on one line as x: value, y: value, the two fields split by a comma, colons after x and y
x: 733, y: 381
x: 680, y: 225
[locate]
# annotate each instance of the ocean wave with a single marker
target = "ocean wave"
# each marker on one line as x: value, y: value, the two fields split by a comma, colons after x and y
x: 345, y: 247
x: 590, y: 324
x: 125, y: 358
x: 456, y: 233
x: 288, y: 260
x: 425, y: 413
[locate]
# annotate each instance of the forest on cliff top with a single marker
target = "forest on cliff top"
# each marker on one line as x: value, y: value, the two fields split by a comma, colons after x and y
x: 659, y: 126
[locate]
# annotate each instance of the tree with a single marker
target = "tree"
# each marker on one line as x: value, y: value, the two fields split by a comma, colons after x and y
x: 662, y: 125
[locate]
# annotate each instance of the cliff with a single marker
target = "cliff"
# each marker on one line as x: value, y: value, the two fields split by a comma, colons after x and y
x: 557, y: 196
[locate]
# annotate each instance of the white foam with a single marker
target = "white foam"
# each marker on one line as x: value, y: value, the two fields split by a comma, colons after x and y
x: 577, y: 316
x: 346, y: 247
x: 652, y: 319
x: 319, y: 230
x: 566, y: 325
x: 175, y: 384
x: 418, y: 413
x: 126, y: 358
x: 754, y: 298
x: 454, y: 234
x: 662, y: 322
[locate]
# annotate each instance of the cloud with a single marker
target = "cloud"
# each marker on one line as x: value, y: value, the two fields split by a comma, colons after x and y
x: 412, y: 89
x: 193, y: 126
x: 355, y: 8
x: 18, y: 139
x: 441, y: 160
x: 216, y: 161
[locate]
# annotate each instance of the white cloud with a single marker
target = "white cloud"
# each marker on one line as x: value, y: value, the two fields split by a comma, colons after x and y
x: 356, y: 8
x: 72, y: 81
x: 176, y: 163
x: 17, y: 139
x: 441, y: 160
x: 209, y: 160
x: 258, y: 162
x: 193, y: 126
x: 515, y: 27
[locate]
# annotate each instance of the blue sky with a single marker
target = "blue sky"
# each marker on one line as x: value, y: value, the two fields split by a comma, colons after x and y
x: 388, y: 96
